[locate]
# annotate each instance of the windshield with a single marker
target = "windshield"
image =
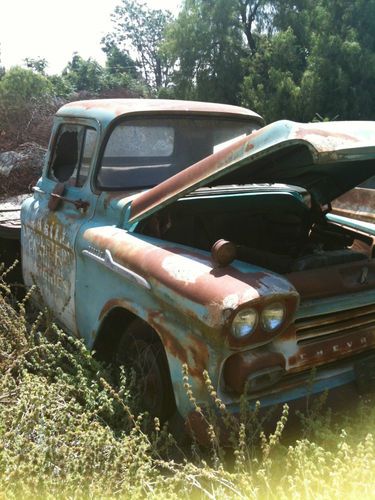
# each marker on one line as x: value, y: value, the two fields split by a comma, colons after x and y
x: 142, y: 152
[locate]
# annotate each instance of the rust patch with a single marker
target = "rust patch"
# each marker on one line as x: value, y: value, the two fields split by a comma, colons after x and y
x: 306, y: 132
x: 339, y: 279
x: 197, y: 361
x: 119, y: 107
x: 359, y: 203
x: 191, y: 275
x: 200, y: 355
x: 239, y: 366
x: 194, y: 352
x: 111, y: 304
x: 171, y: 343
x: 55, y: 202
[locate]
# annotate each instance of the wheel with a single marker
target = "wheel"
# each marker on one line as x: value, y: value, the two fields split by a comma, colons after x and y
x: 141, y: 352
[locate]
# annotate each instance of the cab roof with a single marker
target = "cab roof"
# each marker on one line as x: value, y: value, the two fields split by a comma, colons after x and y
x: 105, y: 110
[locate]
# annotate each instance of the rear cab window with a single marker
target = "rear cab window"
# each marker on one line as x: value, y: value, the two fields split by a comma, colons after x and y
x: 141, y: 152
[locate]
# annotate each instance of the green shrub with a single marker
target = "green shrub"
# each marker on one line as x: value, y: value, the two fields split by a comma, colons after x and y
x: 25, y: 100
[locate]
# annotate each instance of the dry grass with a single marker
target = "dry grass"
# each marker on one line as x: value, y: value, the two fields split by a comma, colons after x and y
x: 65, y: 432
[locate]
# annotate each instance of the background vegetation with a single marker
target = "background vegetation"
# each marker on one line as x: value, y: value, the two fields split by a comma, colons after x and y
x: 285, y: 59
x: 66, y: 431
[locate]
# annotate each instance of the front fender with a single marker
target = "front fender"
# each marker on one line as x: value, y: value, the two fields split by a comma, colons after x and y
x: 186, y: 278
x: 185, y: 299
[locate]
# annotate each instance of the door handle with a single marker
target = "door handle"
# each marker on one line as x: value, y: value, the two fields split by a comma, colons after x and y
x: 37, y: 189
x: 79, y: 204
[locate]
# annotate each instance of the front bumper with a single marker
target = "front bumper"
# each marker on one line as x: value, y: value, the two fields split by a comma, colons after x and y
x: 343, y: 382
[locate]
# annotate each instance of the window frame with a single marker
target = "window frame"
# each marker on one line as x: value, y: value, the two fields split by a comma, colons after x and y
x: 78, y: 123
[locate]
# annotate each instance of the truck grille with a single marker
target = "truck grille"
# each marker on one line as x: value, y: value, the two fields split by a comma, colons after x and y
x: 332, y: 324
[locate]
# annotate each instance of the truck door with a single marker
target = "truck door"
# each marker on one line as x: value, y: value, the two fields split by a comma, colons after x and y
x: 50, y: 224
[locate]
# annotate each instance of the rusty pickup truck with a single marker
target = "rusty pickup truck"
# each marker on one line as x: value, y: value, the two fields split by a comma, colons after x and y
x: 174, y: 236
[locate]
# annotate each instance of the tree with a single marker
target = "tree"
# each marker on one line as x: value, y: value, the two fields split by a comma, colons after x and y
x: 87, y: 75
x: 283, y: 58
x: 140, y: 30
x: 340, y: 66
x: 118, y: 61
x: 318, y: 58
x: 83, y: 74
x: 38, y: 64
x: 205, y: 41
x: 256, y: 17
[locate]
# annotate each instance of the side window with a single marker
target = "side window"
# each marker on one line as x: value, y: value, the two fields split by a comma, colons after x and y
x: 72, y: 156
x: 87, y: 148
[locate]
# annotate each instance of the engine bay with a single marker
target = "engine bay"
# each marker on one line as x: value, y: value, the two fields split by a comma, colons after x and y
x: 279, y: 228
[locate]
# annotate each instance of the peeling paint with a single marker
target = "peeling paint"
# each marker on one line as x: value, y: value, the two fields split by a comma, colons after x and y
x: 184, y: 269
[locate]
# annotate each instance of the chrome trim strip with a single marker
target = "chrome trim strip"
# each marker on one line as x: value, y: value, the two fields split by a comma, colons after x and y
x: 108, y: 262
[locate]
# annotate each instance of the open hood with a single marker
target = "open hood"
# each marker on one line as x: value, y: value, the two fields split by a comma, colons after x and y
x: 327, y: 159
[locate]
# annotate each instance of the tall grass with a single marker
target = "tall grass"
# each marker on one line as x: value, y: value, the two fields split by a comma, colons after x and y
x: 65, y: 431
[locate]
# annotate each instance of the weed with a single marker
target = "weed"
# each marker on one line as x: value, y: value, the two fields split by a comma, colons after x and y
x: 66, y: 431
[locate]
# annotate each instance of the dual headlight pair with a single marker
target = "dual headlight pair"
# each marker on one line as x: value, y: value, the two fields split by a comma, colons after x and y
x: 270, y: 318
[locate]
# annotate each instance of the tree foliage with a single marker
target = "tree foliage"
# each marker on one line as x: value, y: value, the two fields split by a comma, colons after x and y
x: 83, y: 73
x: 283, y: 58
x: 318, y: 59
x: 119, y: 61
x: 38, y: 64
x: 205, y: 43
x: 2, y: 68
x: 87, y: 75
x: 140, y: 30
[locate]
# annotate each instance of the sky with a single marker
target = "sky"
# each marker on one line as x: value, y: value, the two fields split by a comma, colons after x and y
x: 54, y: 29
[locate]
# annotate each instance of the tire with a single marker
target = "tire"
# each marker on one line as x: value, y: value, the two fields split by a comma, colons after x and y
x: 141, y: 352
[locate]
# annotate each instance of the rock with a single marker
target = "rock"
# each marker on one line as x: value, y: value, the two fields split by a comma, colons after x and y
x: 8, y: 160
x: 27, y: 156
x: 20, y: 168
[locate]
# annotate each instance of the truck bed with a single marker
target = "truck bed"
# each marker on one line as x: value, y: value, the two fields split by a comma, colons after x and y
x: 10, y: 223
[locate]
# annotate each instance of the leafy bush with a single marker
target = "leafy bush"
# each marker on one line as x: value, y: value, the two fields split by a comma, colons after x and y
x: 26, y: 101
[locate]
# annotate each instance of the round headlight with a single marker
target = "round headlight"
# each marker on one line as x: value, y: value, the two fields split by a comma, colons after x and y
x: 272, y: 316
x: 244, y: 323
